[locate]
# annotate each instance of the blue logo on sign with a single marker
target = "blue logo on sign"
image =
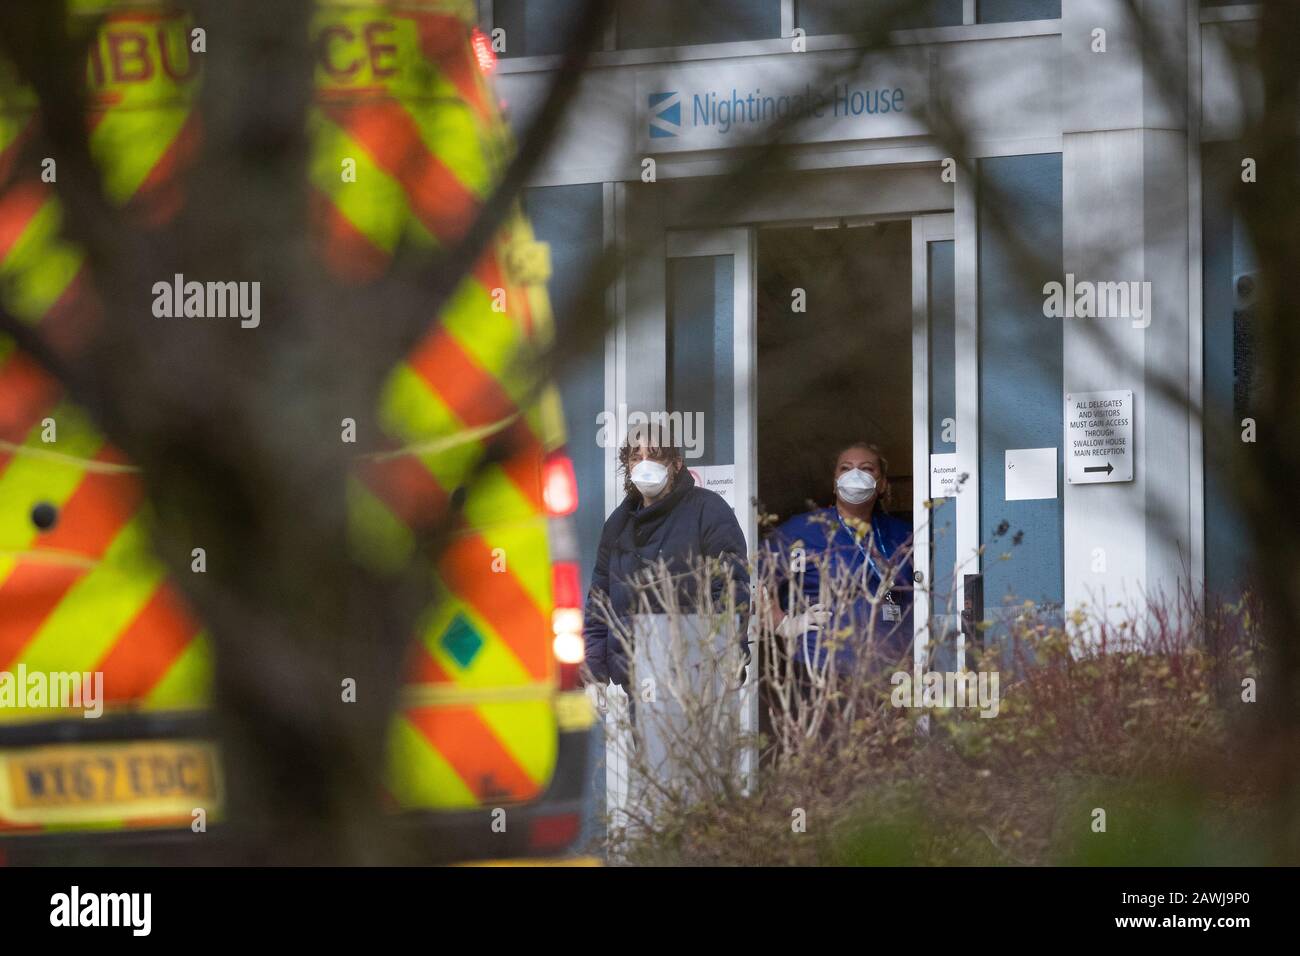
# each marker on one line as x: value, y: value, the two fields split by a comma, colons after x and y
x: 665, y: 115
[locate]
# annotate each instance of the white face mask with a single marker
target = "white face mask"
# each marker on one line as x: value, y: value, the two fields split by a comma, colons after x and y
x: 650, y: 478
x: 856, y: 486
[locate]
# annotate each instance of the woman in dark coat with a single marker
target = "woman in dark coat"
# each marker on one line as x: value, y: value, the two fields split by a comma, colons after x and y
x: 665, y: 516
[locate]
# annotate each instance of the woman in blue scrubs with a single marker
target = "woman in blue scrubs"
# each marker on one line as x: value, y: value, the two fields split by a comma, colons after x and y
x: 867, y: 555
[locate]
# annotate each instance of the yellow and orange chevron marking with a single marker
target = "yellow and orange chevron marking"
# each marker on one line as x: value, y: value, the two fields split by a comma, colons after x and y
x: 429, y: 157
x: 400, y: 96
x: 86, y: 595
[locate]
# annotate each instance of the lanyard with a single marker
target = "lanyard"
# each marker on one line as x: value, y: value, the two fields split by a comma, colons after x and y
x: 866, y: 553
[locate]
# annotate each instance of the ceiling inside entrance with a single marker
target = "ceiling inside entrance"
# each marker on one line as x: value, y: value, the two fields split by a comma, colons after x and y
x: 840, y: 371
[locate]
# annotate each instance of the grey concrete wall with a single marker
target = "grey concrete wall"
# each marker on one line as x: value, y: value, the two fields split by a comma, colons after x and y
x: 1125, y: 153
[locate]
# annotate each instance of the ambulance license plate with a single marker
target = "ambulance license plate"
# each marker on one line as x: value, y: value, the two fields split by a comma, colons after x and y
x: 154, y: 778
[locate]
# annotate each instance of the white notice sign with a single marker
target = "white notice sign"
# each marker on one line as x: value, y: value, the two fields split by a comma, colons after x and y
x: 1099, y: 436
x: 1030, y: 474
x: 943, y: 475
x: 719, y: 478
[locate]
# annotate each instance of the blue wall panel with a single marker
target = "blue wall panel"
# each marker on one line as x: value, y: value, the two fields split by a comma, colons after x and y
x: 570, y: 219
x: 1021, y: 398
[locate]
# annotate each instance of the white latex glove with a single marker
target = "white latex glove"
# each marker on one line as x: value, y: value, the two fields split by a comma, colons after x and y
x: 793, y: 625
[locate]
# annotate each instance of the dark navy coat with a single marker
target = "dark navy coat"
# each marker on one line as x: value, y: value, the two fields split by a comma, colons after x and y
x: 689, y: 523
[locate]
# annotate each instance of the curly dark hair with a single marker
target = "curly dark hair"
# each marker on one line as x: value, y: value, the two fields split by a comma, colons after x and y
x: 639, y: 436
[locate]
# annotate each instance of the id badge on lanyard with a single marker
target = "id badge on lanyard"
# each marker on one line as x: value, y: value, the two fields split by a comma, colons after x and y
x: 889, y: 610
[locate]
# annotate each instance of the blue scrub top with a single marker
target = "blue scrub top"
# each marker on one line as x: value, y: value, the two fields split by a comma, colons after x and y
x: 830, y: 543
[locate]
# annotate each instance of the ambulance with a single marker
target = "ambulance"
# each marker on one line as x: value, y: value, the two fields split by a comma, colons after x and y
x: 408, y: 141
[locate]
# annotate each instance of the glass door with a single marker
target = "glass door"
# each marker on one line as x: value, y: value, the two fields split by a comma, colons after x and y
x: 709, y: 291
x: 708, y: 346
x: 709, y: 360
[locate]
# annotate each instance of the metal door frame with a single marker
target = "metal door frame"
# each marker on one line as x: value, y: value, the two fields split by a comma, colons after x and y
x: 925, y: 230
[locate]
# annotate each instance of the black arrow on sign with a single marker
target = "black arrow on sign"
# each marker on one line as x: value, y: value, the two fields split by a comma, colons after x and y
x: 1108, y: 469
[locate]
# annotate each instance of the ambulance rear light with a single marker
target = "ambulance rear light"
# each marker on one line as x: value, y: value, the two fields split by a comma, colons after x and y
x: 566, y: 586
x: 554, y: 832
x: 559, y: 485
x: 567, y: 645
x: 566, y: 622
